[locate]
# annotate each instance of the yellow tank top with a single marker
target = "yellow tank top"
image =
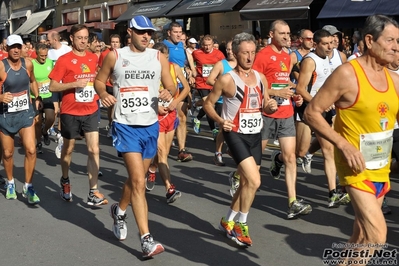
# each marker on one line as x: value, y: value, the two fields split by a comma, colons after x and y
x: 174, y: 77
x: 367, y: 125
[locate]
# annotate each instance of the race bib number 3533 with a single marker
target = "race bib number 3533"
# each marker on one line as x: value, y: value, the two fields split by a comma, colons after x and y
x: 134, y: 100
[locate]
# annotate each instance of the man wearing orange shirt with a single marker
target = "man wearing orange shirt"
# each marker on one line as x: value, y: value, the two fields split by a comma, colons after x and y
x: 74, y: 75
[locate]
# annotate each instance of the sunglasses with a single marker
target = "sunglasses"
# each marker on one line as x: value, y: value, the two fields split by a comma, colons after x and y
x: 142, y: 32
x: 308, y: 39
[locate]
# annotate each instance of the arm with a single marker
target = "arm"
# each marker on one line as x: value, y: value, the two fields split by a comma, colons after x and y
x: 4, y: 97
x: 169, y: 86
x: 343, y: 57
x: 190, y: 60
x: 269, y: 105
x: 216, y: 71
x: 293, y: 60
x: 99, y: 84
x: 343, y: 94
x: 305, y: 74
x: 33, y: 85
x: 184, y: 92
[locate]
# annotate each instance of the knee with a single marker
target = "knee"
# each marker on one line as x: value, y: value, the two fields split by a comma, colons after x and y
x: 289, y: 158
x: 7, y: 154
x: 30, y: 152
x: 93, y: 151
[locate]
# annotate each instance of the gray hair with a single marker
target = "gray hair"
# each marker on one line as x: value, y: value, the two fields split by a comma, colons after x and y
x: 239, y: 38
x: 375, y: 25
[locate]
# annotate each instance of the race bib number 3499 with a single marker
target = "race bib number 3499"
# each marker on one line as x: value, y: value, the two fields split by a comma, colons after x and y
x: 134, y: 100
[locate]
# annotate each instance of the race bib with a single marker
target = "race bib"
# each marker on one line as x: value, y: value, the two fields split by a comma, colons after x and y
x: 86, y: 94
x: 376, y: 148
x: 134, y: 100
x: 206, y: 70
x: 44, y: 88
x: 20, y: 101
x: 279, y: 100
x: 251, y: 121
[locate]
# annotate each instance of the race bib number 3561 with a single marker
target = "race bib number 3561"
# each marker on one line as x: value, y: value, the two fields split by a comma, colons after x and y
x: 134, y: 100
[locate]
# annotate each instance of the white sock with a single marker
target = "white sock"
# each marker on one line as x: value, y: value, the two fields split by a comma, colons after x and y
x: 10, y: 181
x: 242, y: 217
x: 309, y: 155
x: 230, y: 215
x: 27, y: 185
x: 143, y: 236
x: 119, y: 211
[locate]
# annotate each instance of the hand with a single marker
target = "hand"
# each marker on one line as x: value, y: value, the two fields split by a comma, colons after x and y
x: 81, y: 83
x: 353, y: 157
x: 271, y: 106
x: 285, y: 93
x: 227, y: 125
x: 7, y: 97
x: 165, y: 95
x: 39, y: 105
x: 162, y: 110
x: 297, y: 99
x: 108, y: 100
x: 191, y: 81
x: 172, y: 105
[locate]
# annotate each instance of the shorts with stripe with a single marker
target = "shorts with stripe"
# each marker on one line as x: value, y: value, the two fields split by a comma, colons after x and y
x: 379, y: 189
x: 168, y: 122
x: 140, y: 139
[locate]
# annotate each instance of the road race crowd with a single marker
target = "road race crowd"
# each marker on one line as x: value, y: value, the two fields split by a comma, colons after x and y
x: 286, y: 88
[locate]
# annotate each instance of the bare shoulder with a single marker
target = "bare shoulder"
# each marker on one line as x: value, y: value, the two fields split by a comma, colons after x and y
x: 395, y: 79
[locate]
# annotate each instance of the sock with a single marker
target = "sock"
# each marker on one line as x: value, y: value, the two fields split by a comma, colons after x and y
x: 151, y: 171
x: 119, y: 211
x: 27, y: 185
x: 236, y: 175
x: 10, y: 181
x: 216, y: 153
x: 242, y: 217
x: 331, y: 193
x: 290, y: 201
x: 144, y: 236
x: 65, y: 180
x: 230, y: 215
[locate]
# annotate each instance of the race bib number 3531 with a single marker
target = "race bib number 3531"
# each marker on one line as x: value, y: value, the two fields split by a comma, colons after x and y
x: 251, y: 121
x: 134, y: 100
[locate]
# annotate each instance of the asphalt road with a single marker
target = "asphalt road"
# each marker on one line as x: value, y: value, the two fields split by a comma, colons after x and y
x: 55, y: 232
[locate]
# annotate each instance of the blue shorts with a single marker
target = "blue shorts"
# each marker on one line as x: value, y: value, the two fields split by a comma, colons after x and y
x: 12, y: 123
x: 141, y: 139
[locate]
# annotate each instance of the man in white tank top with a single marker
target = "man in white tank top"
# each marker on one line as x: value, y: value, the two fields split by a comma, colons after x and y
x: 244, y: 98
x: 315, y: 69
x: 136, y: 72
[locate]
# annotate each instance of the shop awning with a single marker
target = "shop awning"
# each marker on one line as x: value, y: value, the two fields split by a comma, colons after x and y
x: 58, y: 29
x: 272, y: 10
x: 109, y: 25
x: 33, y: 21
x: 358, y: 8
x: 190, y: 7
x: 149, y: 9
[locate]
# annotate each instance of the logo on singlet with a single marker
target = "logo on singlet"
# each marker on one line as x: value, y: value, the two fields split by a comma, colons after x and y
x: 125, y: 63
x: 283, y: 66
x: 84, y: 68
x: 139, y: 74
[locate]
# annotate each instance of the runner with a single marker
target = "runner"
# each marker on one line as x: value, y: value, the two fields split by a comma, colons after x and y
x: 363, y: 150
x: 73, y: 75
x: 244, y: 97
x: 42, y: 67
x: 17, y: 115
x: 135, y: 121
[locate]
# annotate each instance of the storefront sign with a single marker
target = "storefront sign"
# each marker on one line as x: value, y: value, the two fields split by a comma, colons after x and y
x: 207, y: 4
x: 116, y: 10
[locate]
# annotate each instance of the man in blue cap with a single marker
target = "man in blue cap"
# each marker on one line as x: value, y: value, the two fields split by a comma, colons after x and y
x: 136, y: 71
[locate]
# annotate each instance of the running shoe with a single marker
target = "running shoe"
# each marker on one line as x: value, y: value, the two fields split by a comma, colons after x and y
x: 215, y: 133
x: 385, y: 208
x: 119, y: 226
x: 150, y: 247
x: 226, y: 227
x: 30, y: 194
x: 299, y: 161
x: 58, y: 149
x: 196, y: 125
x: 65, y: 192
x: 298, y: 207
x: 150, y: 180
x: 219, y: 159
x: 307, y: 164
x: 96, y: 199
x: 52, y: 132
x: 172, y: 195
x: 240, y: 234
x: 39, y: 148
x: 234, y: 181
x: 184, y: 156
x: 46, y: 139
x: 337, y: 199
x: 275, y: 167
x: 10, y: 192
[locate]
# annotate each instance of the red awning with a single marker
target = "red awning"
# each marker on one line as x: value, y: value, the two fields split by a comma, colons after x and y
x: 58, y: 29
x: 90, y: 25
x: 105, y: 25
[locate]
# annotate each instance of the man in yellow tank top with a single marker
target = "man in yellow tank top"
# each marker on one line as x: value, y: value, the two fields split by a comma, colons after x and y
x: 367, y: 107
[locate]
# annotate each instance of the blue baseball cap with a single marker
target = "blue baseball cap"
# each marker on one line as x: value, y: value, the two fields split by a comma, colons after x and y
x: 141, y: 23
